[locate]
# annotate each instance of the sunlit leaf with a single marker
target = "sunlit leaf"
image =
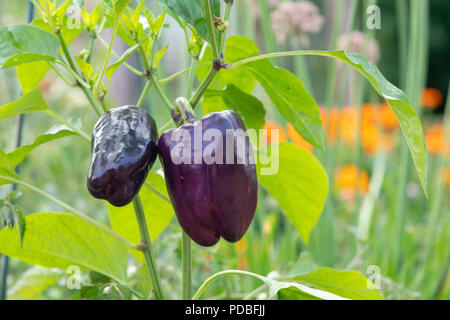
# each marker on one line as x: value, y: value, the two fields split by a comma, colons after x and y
x: 298, y: 182
x: 30, y: 102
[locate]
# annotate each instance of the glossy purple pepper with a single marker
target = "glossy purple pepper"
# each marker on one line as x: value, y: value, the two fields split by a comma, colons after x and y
x: 212, y: 199
x: 123, y: 151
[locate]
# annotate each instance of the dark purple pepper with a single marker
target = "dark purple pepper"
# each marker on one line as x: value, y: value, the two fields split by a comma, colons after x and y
x: 211, y: 199
x: 123, y: 151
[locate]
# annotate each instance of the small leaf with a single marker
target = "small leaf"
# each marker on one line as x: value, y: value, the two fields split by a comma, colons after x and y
x: 85, y: 67
x: 30, y: 102
x: 19, y: 154
x: 121, y: 5
x: 26, y: 43
x: 85, y: 16
x: 159, y: 55
x: 61, y: 11
x: 299, y: 184
x: 112, y: 68
x: 137, y: 14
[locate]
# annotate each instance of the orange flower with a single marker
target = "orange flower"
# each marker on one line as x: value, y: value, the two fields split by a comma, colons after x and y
x: 268, y: 127
x: 241, y: 246
x: 349, y: 179
x: 348, y: 121
x: 330, y: 122
x: 387, y: 117
x: 431, y: 98
x: 297, y: 138
x: 435, y: 140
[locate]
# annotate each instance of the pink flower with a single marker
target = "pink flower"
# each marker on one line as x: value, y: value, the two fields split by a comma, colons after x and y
x: 299, y: 18
x: 356, y: 41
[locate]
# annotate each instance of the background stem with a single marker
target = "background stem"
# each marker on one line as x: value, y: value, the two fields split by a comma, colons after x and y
x: 149, y: 256
x: 187, y: 266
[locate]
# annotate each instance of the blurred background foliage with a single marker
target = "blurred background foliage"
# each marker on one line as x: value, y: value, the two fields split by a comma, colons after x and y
x: 407, y: 236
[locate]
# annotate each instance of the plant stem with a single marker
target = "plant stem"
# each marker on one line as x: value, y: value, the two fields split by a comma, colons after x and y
x: 203, y: 86
x: 187, y: 266
x: 223, y: 273
x: 191, y: 78
x: 108, y: 55
x: 70, y: 209
x: 161, y: 93
x: 141, y: 100
x: 72, y: 66
x: 212, y: 32
x: 149, y: 256
x: 223, y: 35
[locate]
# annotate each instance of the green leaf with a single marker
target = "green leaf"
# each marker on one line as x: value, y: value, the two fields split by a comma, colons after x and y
x: 19, y: 154
x: 85, y: 67
x: 121, y: 5
x: 236, y: 48
x: 31, y: 74
x: 26, y: 43
x: 299, y: 185
x: 158, y: 213
x: 31, y: 101
x: 69, y: 31
x: 291, y: 98
x: 407, y: 117
x: 159, y: 55
x: 193, y: 12
x: 32, y: 283
x: 60, y: 240
x: 247, y: 106
x: 112, y: 68
x: 61, y: 11
x: 347, y: 284
x: 137, y: 14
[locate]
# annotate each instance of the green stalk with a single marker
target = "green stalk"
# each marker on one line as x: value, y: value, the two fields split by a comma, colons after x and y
x: 211, y: 31
x: 141, y: 100
x: 203, y: 86
x: 208, y: 281
x: 226, y: 17
x: 108, y: 55
x: 191, y: 77
x: 187, y: 266
x: 70, y: 209
x: 149, y: 256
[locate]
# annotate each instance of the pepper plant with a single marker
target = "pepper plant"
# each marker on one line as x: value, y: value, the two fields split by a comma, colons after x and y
x: 223, y: 74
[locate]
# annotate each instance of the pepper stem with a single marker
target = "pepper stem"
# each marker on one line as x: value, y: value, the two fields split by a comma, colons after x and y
x: 146, y: 247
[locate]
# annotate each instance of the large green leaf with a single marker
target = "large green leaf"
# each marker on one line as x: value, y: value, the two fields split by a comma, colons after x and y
x: 300, y: 186
x: 236, y: 48
x: 158, y: 212
x: 346, y: 284
x: 396, y: 98
x: 30, y: 102
x: 60, y: 240
x: 193, y: 12
x: 289, y: 95
x: 57, y: 132
x: 32, y: 283
x: 25, y: 43
x: 247, y: 106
